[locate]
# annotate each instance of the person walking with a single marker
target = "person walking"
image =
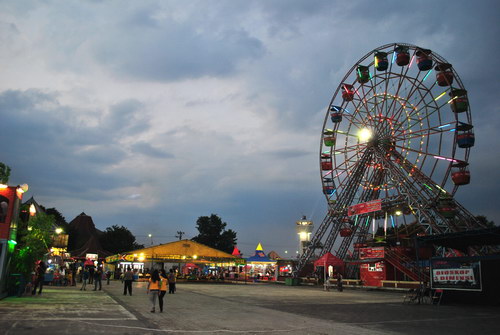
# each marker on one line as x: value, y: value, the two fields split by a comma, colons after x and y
x: 339, y: 283
x: 91, y: 275
x: 39, y: 277
x: 85, y: 278
x: 97, y: 278
x: 154, y: 289
x: 128, y: 277
x: 163, y: 288
x: 108, y: 277
x: 171, y: 282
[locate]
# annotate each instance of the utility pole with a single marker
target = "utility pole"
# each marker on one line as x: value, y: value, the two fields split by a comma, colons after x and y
x: 179, y: 234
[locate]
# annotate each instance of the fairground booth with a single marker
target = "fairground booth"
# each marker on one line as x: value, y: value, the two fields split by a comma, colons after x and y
x: 260, y: 266
x: 328, y: 266
x: 191, y: 259
x: 467, y: 276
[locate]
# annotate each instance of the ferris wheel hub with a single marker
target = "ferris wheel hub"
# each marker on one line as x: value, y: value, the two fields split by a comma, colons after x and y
x: 365, y: 135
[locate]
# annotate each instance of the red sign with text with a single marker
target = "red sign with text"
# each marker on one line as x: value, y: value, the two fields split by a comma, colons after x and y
x: 365, y: 207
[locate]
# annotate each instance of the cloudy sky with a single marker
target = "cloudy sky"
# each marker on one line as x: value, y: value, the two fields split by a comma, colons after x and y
x: 149, y: 114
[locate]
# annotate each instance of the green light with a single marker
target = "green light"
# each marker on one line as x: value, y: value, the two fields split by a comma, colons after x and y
x: 430, y: 188
x: 12, y: 242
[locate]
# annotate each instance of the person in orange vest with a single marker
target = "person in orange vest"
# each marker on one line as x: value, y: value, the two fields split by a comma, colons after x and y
x: 154, y: 289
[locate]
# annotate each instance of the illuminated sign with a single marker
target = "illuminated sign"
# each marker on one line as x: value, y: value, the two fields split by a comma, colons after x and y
x: 452, y: 274
x: 365, y: 207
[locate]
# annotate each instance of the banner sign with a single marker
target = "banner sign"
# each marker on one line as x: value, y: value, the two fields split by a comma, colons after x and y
x: 367, y: 253
x: 365, y: 207
x: 456, y: 275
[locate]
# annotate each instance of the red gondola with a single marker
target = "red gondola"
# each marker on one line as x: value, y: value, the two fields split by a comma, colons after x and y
x: 402, y: 55
x: 444, y: 74
x: 460, y: 174
x: 347, y: 92
x: 461, y: 177
x: 326, y: 166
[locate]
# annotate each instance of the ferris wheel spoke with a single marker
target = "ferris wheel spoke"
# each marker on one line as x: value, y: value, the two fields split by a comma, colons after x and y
x: 424, y: 132
x: 437, y: 156
x: 354, y: 120
x: 431, y: 104
x: 416, y: 87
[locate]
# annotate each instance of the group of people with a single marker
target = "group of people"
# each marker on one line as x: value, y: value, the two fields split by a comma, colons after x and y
x: 91, y: 275
x: 157, y: 287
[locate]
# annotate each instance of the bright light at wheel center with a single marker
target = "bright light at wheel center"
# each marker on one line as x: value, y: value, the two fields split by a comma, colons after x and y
x: 365, y: 135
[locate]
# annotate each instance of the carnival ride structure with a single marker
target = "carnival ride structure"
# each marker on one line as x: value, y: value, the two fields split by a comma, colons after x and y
x: 397, y: 128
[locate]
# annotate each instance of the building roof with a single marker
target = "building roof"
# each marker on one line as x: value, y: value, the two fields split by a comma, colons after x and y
x: 83, y: 229
x: 183, y: 251
x: 464, y: 239
x: 92, y: 246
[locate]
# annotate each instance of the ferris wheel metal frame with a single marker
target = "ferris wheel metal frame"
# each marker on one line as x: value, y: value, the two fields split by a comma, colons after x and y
x: 392, y: 136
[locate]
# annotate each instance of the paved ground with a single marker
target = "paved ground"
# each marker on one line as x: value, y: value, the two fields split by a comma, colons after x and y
x: 237, y: 309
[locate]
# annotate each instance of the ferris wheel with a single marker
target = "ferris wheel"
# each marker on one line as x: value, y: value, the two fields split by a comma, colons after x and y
x: 395, y: 146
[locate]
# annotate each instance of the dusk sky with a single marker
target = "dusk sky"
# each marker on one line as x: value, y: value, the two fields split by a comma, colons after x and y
x: 149, y: 114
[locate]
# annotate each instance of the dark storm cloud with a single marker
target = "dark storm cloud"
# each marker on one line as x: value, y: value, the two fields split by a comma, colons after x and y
x: 168, y: 50
x: 126, y: 118
x: 52, y: 150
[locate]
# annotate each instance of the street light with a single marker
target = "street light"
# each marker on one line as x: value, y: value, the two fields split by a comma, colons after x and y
x: 151, y: 237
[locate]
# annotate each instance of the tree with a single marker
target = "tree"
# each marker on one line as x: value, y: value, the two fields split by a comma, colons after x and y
x: 484, y: 221
x: 212, y: 233
x: 118, y: 239
x: 33, y: 244
x: 4, y: 173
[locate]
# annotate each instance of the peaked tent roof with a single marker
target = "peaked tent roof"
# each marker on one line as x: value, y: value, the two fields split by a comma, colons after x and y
x: 92, y: 246
x: 236, y: 252
x: 32, y: 201
x: 178, y: 251
x: 329, y: 259
x: 260, y: 256
x: 87, y: 241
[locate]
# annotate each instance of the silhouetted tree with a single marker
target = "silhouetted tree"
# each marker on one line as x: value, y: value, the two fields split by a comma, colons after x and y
x: 118, y: 239
x: 484, y: 220
x: 212, y: 233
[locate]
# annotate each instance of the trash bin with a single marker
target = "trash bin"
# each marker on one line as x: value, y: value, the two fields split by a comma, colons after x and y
x: 292, y: 281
